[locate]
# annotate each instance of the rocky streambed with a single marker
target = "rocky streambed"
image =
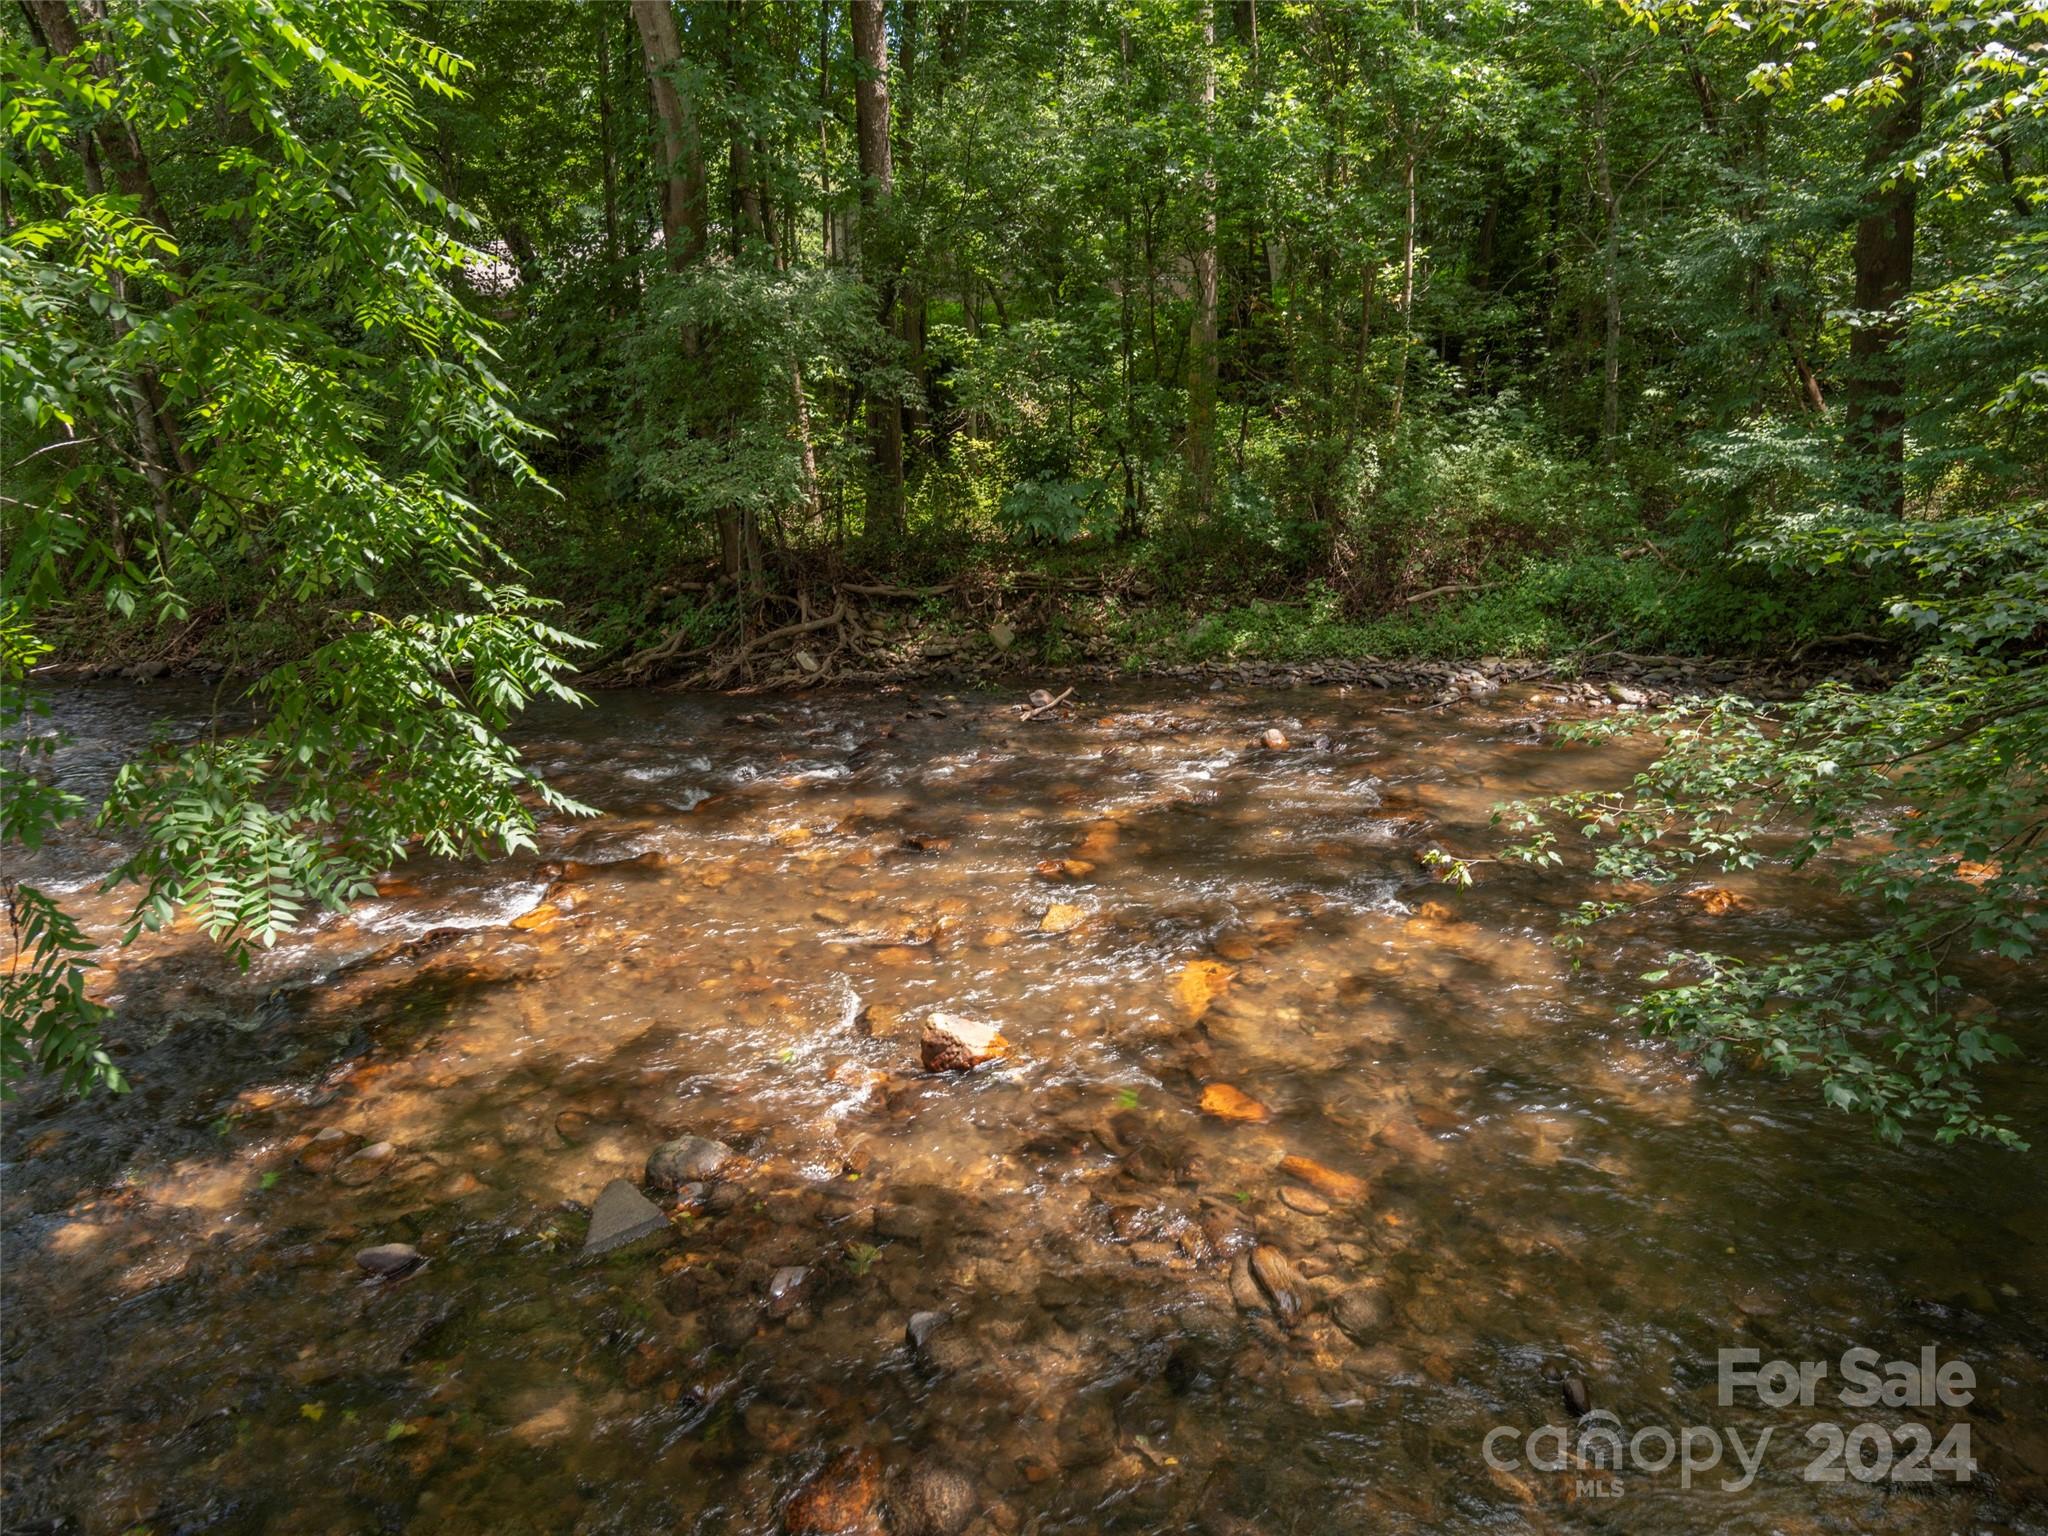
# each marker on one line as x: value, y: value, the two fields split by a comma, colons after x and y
x: 898, y: 1115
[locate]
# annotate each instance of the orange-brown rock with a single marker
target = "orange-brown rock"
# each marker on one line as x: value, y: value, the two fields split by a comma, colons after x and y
x: 1338, y: 1186
x: 1064, y: 869
x: 1717, y: 901
x: 951, y: 1043
x: 1062, y: 917
x: 1228, y: 1103
x: 841, y: 1499
x: 1200, y: 983
x: 540, y: 919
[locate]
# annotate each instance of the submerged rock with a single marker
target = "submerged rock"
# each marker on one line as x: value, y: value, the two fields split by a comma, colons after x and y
x: 1244, y: 1290
x: 327, y: 1148
x: 390, y: 1261
x: 366, y: 1166
x: 622, y: 1215
x: 932, y: 1499
x: 1344, y: 1187
x: 1306, y: 1201
x: 840, y: 1499
x: 1062, y: 917
x: 917, y: 1333
x: 1578, y: 1401
x: 951, y: 1043
x: 687, y: 1160
x: 1227, y: 1102
x: 787, y: 1288
x: 1360, y: 1312
x: 1281, y: 1282
x: 1199, y: 984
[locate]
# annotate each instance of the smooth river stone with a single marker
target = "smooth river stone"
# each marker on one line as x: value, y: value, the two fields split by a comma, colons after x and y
x: 687, y: 1160
x: 622, y: 1215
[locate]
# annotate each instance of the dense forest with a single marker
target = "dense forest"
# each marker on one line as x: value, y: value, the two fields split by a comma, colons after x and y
x: 411, y: 362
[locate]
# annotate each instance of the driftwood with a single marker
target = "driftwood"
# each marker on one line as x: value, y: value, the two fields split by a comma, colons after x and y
x: 1047, y: 707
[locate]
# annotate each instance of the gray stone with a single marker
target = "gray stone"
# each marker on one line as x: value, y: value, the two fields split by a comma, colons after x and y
x: 390, y: 1261
x: 686, y: 1160
x: 786, y: 1289
x: 917, y: 1333
x: 622, y: 1215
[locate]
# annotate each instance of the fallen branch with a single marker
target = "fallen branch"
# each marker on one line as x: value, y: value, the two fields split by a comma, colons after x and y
x: 870, y: 591
x: 1050, y: 704
x: 1456, y: 586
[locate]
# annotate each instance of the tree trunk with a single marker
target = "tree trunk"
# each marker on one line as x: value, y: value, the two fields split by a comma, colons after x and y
x: 1875, y: 423
x: 825, y: 221
x: 684, y: 219
x: 1610, y: 284
x: 878, y: 185
x: 607, y: 146
x: 114, y: 143
x: 1407, y: 283
x: 1200, y: 444
x: 119, y: 146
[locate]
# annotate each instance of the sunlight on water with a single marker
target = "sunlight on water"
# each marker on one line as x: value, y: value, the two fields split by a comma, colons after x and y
x: 1241, y: 1022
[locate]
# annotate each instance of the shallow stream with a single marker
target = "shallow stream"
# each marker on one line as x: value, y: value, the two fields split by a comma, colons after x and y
x: 1207, y: 958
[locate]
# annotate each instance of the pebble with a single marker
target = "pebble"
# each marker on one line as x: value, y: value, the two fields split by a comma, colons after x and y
x: 687, y: 1160
x: 325, y: 1149
x: 1360, y: 1312
x: 840, y: 1498
x: 1306, y: 1201
x: 363, y: 1167
x: 917, y: 1333
x: 1244, y: 1290
x: 390, y: 1261
x: 951, y: 1043
x: 1325, y: 1180
x: 621, y: 1215
x: 1281, y: 1282
x: 932, y: 1499
x: 786, y: 1289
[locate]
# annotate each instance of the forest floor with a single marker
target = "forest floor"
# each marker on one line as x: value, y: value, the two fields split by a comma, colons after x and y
x: 985, y: 616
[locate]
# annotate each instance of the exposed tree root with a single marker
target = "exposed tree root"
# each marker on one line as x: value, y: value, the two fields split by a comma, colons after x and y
x: 837, y: 645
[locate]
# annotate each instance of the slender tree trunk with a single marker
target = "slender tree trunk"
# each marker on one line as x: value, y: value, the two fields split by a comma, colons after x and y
x: 685, y: 227
x: 1200, y: 444
x: 1610, y: 284
x: 1875, y: 405
x: 878, y: 182
x: 685, y: 219
x: 114, y: 144
x: 608, y: 153
x: 1407, y: 282
x: 825, y: 224
x: 1131, y: 525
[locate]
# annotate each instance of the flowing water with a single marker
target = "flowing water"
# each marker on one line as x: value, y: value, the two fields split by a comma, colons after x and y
x: 1504, y: 1187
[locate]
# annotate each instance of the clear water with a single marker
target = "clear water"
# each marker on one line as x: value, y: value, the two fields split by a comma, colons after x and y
x: 747, y: 945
